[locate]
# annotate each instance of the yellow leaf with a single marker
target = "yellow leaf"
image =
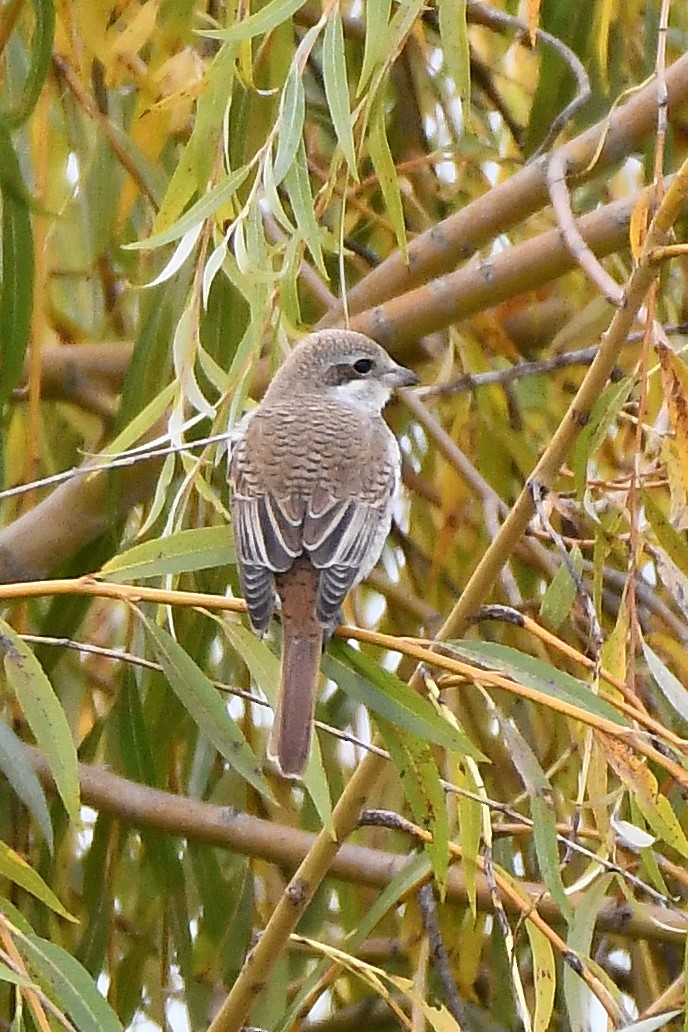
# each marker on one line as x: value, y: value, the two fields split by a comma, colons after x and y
x: 533, y: 18
x: 613, y: 653
x: 675, y: 383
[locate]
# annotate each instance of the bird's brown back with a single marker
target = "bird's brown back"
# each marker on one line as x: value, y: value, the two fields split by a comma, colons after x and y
x: 300, y: 445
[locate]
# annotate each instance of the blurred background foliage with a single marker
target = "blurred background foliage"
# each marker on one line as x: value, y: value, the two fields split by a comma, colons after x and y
x: 188, y: 187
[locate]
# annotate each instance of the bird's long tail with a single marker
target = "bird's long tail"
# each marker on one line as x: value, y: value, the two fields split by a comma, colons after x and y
x: 302, y: 642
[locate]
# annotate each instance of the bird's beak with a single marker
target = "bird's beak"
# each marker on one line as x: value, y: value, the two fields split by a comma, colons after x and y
x: 402, y: 377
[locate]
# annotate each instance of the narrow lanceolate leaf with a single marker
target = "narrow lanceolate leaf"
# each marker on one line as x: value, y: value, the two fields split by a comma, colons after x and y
x: 454, y: 35
x: 535, y: 674
x: 420, y: 779
x: 389, y: 697
x: 544, y: 825
x: 337, y: 87
x: 467, y: 776
x: 544, y: 977
x: 16, y: 293
x: 673, y: 542
x: 39, y: 63
x: 652, y: 1024
x: 383, y: 163
x: 200, y: 548
x: 674, y: 692
x: 561, y: 593
x: 675, y: 384
x: 67, y: 981
x: 299, y: 190
x: 205, y: 706
x: 269, y: 17
x: 8, y: 975
x: 16, y: 767
x: 208, y: 204
x: 603, y: 414
x: 375, y: 48
x: 18, y: 871
x: 578, y: 941
x: 44, y: 714
x: 291, y: 124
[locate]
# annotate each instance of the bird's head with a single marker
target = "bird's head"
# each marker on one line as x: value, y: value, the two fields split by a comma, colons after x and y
x: 342, y: 365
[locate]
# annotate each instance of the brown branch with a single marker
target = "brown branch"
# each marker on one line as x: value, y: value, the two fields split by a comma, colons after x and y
x: 143, y: 807
x: 402, y: 320
x: 459, y: 236
x: 72, y: 516
x: 579, y: 250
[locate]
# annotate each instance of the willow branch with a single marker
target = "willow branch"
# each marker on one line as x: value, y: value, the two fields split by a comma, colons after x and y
x: 547, y: 469
x: 458, y: 237
x: 143, y: 807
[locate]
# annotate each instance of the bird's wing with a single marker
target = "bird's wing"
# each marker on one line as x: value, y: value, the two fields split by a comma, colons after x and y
x: 340, y: 537
x: 267, y: 539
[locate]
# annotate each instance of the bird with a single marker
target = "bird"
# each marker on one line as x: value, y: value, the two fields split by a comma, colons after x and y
x: 313, y: 470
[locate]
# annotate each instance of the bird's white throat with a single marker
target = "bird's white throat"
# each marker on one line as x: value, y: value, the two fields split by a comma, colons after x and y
x: 370, y: 396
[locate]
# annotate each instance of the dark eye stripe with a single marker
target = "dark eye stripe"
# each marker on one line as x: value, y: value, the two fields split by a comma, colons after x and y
x: 345, y: 373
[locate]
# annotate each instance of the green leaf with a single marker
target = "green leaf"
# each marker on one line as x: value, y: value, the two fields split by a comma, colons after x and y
x: 671, y: 540
x: 385, y: 694
x: 420, y: 780
x: 337, y: 87
x: 544, y: 824
x: 71, y: 984
x: 18, y: 871
x: 561, y: 593
x: 299, y: 190
x: 16, y: 766
x: 591, y: 437
x: 454, y: 36
x: 16, y: 296
x: 674, y: 692
x: 375, y: 47
x: 383, y: 163
x: 207, y: 709
x: 43, y: 713
x: 8, y: 975
x: 291, y: 124
x: 467, y: 776
x: 41, y: 54
x: 268, y: 18
x: 206, y: 206
x: 200, y: 548
x: 533, y: 673
x: 579, y: 939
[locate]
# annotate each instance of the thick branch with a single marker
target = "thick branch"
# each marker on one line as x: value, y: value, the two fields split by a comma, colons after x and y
x: 144, y: 807
x: 456, y: 239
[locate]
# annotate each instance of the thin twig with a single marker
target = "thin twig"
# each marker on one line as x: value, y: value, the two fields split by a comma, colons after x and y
x: 440, y: 958
x: 582, y: 357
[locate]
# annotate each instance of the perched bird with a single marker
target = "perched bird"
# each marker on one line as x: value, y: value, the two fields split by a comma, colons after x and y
x: 313, y: 470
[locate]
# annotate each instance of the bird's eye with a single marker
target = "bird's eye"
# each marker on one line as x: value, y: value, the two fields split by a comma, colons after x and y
x: 363, y: 365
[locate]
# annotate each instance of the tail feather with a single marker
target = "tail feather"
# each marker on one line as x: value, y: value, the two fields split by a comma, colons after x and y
x: 290, y: 741
x: 302, y: 642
